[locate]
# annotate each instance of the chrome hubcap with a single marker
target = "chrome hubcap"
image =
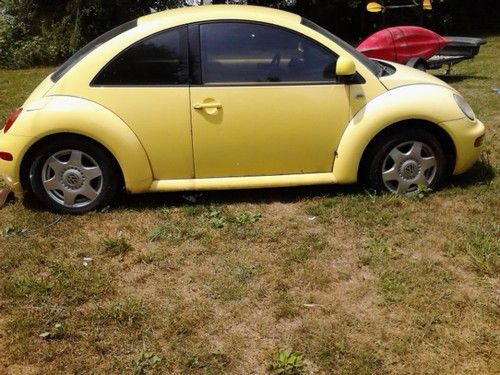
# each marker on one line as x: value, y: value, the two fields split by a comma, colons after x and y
x: 72, y: 178
x: 409, y: 169
x: 407, y: 166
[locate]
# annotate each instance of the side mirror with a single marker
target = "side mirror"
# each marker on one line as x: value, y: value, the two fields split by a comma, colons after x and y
x: 345, y: 67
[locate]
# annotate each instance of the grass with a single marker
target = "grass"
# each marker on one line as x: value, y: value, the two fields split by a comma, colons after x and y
x: 332, y: 279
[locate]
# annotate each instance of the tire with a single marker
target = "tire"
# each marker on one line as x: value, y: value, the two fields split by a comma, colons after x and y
x: 403, y: 161
x: 73, y: 176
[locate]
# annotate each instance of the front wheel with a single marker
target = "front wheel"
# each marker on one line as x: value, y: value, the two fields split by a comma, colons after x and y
x: 405, y: 161
x: 73, y: 176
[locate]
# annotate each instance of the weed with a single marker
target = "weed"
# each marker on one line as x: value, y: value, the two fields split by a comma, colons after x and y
x: 288, y: 362
x: 215, y: 217
x: 246, y: 217
x: 218, y: 218
x: 422, y: 191
x: 146, y: 362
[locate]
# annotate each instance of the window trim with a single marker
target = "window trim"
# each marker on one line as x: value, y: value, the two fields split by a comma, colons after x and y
x: 194, y: 55
x: 267, y: 84
x: 179, y: 85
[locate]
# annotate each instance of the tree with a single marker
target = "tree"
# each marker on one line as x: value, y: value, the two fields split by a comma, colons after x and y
x: 35, y: 32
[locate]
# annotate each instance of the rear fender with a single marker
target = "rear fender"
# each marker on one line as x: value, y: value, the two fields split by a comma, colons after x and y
x: 66, y: 114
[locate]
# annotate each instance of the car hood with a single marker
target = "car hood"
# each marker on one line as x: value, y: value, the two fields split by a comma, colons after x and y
x: 404, y: 76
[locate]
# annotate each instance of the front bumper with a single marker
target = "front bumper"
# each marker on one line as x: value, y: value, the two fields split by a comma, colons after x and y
x: 465, y: 133
x: 10, y: 170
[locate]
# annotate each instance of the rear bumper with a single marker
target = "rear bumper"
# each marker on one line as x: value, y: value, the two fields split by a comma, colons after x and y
x: 10, y: 170
x: 465, y: 134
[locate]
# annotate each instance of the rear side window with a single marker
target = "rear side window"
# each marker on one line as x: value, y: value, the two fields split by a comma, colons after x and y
x: 159, y: 60
x: 240, y: 52
x: 78, y: 56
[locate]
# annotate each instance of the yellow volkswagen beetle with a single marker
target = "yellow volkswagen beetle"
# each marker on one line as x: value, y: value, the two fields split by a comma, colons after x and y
x: 221, y: 97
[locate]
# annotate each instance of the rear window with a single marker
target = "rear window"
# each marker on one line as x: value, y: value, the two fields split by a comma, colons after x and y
x: 158, y: 60
x: 78, y: 56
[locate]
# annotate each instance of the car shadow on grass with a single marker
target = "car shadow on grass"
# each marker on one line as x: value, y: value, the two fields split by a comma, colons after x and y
x: 451, y: 78
x: 216, y: 197
x: 482, y: 172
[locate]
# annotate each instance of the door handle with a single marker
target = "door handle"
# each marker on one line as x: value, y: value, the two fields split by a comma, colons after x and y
x: 214, y: 105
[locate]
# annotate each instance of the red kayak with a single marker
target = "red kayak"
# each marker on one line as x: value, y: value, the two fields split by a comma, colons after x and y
x: 420, y: 48
x: 400, y: 44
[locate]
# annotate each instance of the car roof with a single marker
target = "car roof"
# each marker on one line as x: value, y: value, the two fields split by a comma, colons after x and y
x: 214, y: 12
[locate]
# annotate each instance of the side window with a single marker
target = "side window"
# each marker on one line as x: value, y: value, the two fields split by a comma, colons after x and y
x: 238, y: 52
x: 158, y: 60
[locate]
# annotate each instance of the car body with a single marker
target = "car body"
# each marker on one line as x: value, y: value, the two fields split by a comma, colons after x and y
x: 221, y: 97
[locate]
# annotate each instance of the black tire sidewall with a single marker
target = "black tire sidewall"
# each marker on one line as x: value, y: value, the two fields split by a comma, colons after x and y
x: 102, y: 158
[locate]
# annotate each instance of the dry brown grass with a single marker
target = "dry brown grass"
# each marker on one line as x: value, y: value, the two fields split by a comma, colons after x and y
x: 371, y: 285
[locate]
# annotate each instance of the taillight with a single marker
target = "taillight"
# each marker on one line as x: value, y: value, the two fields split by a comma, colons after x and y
x: 7, y: 156
x: 12, y: 118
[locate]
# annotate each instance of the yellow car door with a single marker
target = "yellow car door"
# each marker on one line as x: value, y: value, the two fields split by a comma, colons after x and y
x: 269, y: 102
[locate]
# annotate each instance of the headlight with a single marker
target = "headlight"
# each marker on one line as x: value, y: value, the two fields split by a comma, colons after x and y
x: 465, y: 107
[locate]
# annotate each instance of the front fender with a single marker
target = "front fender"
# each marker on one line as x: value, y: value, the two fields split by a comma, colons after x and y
x: 430, y: 103
x: 66, y: 114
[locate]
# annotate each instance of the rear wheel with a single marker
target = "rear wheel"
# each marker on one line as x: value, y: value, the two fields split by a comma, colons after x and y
x: 73, y: 176
x: 405, y: 161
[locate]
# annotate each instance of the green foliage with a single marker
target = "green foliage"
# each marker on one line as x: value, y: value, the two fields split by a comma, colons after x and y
x: 218, y: 219
x: 246, y: 218
x: 289, y: 362
x: 215, y: 217
x: 38, y: 32
x: 145, y: 362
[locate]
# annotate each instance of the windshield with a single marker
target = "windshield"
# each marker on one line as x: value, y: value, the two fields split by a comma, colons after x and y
x: 372, y: 65
x: 78, y: 56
